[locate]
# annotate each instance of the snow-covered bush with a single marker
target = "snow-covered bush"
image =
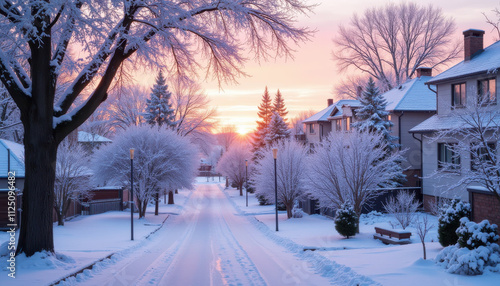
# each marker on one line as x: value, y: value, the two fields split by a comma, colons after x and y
x: 297, y: 213
x: 449, y: 221
x: 403, y: 207
x: 346, y: 220
x: 471, y: 235
x: 263, y: 201
x: 461, y: 260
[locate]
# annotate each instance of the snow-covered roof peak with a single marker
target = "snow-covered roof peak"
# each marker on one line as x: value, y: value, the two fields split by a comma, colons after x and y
x: 413, y: 95
x: 89, y: 137
x: 325, y: 113
x: 488, y: 61
x: 16, y: 158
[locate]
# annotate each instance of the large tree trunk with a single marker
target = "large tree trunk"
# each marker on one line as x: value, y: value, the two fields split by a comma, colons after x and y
x: 289, y: 208
x: 240, y: 187
x: 170, y: 197
x: 38, y: 193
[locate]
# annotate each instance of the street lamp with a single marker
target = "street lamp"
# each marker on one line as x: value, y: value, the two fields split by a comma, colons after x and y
x: 246, y: 178
x: 275, y: 155
x: 132, y: 194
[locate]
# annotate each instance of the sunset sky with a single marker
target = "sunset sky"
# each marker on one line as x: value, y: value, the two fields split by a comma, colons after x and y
x: 307, y: 81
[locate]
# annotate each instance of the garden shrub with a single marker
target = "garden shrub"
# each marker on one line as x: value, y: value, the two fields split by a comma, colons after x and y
x: 449, y: 221
x: 346, y: 221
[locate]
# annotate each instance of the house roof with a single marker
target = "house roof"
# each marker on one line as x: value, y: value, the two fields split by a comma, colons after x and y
x: 89, y: 137
x: 488, y: 61
x: 324, y: 114
x: 413, y: 95
x: 16, y: 158
x: 451, y: 121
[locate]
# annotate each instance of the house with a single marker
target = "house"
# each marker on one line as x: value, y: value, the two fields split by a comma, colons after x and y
x: 11, y: 160
x: 319, y: 126
x: 457, y: 88
x: 90, y: 141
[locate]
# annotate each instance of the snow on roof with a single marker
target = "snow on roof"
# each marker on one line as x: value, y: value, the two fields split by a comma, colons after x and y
x: 413, y: 95
x: 324, y: 114
x: 16, y: 158
x: 320, y: 116
x: 450, y: 121
x: 487, y: 61
x: 88, y: 137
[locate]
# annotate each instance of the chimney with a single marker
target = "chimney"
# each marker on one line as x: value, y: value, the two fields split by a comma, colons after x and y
x: 473, y: 43
x: 359, y: 90
x: 330, y: 101
x: 423, y: 71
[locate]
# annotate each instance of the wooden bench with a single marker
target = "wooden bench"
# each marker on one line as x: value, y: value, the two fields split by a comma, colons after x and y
x: 392, y: 236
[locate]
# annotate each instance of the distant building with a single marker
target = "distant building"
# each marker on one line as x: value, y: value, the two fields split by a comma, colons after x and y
x: 92, y: 142
x: 11, y: 160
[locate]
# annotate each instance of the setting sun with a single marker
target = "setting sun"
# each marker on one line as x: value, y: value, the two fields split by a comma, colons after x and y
x: 243, y: 130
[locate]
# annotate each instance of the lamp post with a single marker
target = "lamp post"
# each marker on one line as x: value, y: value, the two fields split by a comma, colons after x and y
x: 132, y: 194
x: 275, y: 155
x: 246, y: 179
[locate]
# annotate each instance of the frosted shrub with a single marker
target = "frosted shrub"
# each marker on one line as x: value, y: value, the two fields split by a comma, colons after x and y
x: 449, y: 221
x: 475, y: 252
x: 460, y: 260
x: 403, y: 207
x: 471, y: 235
x: 346, y: 220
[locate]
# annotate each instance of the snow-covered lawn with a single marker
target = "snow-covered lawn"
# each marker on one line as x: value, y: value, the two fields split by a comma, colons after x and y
x: 85, y: 240
x: 386, y: 264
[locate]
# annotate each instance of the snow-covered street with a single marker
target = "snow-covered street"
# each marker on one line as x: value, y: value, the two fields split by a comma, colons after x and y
x: 207, y: 245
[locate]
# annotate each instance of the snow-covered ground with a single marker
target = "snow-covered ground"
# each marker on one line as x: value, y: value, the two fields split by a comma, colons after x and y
x: 365, y: 256
x: 87, y: 239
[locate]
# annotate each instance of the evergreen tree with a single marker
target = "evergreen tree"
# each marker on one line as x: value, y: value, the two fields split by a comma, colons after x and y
x: 279, y: 105
x: 372, y: 115
x: 277, y: 130
x: 265, y: 114
x: 346, y: 220
x: 158, y: 109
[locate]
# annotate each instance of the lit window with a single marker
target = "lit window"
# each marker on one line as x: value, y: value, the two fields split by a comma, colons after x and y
x: 338, y: 124
x: 347, y: 124
x: 311, y: 128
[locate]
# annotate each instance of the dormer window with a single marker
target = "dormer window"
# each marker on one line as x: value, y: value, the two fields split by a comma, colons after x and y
x: 458, y: 95
x: 486, y: 91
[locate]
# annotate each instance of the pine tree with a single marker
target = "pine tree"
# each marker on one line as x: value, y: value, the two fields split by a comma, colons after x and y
x: 158, y: 109
x: 279, y: 105
x: 277, y: 130
x: 265, y: 114
x: 372, y: 115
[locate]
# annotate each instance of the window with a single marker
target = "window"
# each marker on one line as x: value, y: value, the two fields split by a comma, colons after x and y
x: 447, y: 157
x: 311, y: 128
x: 347, y: 124
x: 389, y: 118
x: 458, y: 94
x: 486, y: 91
x: 481, y: 155
x: 338, y: 124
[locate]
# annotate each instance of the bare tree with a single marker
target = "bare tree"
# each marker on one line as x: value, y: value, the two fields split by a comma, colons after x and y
x: 290, y: 172
x: 349, y: 86
x: 403, y: 207
x: 475, y: 133
x: 391, y: 42
x: 11, y: 127
x: 126, y: 107
x: 297, y: 127
x: 72, y: 178
x: 162, y: 160
x: 494, y: 23
x: 350, y: 168
x: 232, y: 163
x: 227, y: 136
x: 192, y: 111
x: 423, y: 228
x: 181, y: 37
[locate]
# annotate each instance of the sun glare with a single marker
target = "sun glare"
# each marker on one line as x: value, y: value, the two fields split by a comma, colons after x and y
x: 242, y: 130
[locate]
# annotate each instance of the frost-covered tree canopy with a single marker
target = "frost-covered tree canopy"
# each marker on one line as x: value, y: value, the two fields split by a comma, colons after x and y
x: 159, y: 109
x: 277, y: 130
x: 232, y: 163
x: 279, y: 105
x: 291, y: 173
x: 350, y: 168
x: 372, y: 116
x: 162, y: 159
